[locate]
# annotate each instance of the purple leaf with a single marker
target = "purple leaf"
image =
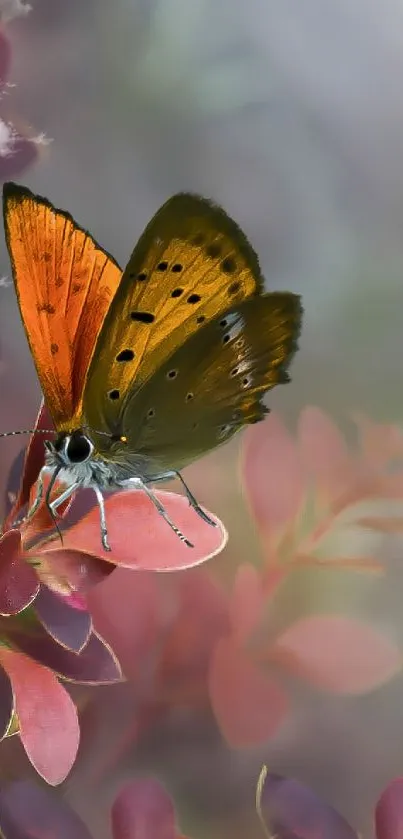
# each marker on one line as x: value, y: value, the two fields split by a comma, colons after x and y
x: 69, y: 627
x: 28, y: 811
x: 95, y: 664
x: 6, y: 703
x: 290, y: 810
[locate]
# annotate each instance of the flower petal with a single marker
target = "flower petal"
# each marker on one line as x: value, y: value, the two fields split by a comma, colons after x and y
x: 47, y: 716
x: 143, y: 810
x: 272, y: 473
x: 389, y: 811
x: 69, y: 627
x: 28, y: 811
x: 95, y: 664
x: 19, y: 583
x: 290, y: 810
x: 249, y: 704
x: 6, y: 703
x: 337, y: 654
x: 139, y: 536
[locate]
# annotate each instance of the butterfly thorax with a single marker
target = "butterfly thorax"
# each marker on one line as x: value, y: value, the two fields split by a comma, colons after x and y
x: 75, y: 458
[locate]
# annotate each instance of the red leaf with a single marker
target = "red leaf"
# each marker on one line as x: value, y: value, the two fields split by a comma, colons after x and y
x: 389, y: 812
x: 272, y: 473
x: 139, y: 536
x: 337, y: 654
x: 34, y: 460
x: 28, y: 811
x: 249, y: 704
x: 143, y: 810
x: 19, y: 583
x: 47, y: 716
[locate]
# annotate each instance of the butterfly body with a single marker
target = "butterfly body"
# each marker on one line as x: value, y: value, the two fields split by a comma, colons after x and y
x: 145, y: 370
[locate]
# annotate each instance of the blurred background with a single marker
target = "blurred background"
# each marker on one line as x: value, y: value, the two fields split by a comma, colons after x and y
x: 290, y: 115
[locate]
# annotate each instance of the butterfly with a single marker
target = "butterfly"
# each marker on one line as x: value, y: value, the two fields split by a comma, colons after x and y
x: 144, y: 370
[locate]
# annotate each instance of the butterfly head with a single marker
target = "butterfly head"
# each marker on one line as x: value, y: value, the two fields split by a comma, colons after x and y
x: 70, y: 449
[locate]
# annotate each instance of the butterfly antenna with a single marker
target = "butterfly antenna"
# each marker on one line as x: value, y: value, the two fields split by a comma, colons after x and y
x: 28, y: 431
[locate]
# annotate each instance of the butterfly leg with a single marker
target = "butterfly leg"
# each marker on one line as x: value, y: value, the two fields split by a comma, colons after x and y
x: 64, y: 496
x: 139, y: 484
x: 102, y: 515
x: 38, y: 498
x: 189, y: 495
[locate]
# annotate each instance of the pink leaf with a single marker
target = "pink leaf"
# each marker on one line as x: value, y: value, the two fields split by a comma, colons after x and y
x: 19, y: 583
x: 249, y: 704
x: 125, y: 609
x: 143, y: 810
x: 272, y: 473
x: 337, y: 654
x: 389, y: 812
x: 67, y: 571
x: 247, y: 601
x: 47, y: 716
x: 324, y: 453
x: 139, y: 536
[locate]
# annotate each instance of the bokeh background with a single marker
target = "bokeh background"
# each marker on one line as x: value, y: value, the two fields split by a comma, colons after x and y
x: 291, y: 116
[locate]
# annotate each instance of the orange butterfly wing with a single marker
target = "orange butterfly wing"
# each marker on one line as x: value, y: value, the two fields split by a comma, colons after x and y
x: 64, y: 283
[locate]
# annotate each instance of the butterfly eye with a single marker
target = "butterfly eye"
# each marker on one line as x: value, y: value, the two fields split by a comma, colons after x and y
x: 201, y: 319
x: 141, y: 277
x: 162, y: 266
x: 234, y: 288
x: 223, y: 323
x: 172, y: 374
x: 226, y: 338
x: 151, y: 413
x: 114, y: 394
x: 189, y: 397
x: 176, y: 269
x: 194, y: 298
x: 78, y: 448
x: 234, y: 372
x: 246, y: 381
x: 177, y: 292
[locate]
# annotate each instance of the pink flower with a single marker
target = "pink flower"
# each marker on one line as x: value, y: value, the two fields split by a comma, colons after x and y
x: 143, y: 809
